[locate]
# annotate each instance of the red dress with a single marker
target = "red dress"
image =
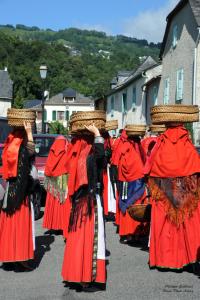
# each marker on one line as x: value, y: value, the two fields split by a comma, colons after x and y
x: 16, y: 232
x: 16, y: 238
x: 175, y: 230
x: 56, y: 213
x: 84, y: 256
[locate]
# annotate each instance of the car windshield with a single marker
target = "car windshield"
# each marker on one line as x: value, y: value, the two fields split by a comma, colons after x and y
x: 43, y: 145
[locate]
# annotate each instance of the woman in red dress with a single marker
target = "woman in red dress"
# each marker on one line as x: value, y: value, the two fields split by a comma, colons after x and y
x: 57, y: 208
x: 84, y: 257
x: 16, y: 220
x: 128, y: 157
x: 173, y: 170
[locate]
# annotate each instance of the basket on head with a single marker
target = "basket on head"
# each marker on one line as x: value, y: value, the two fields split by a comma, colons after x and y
x: 140, y: 212
x: 135, y: 129
x: 162, y: 114
x: 111, y: 125
x: 80, y: 119
x: 157, y: 128
x: 16, y: 117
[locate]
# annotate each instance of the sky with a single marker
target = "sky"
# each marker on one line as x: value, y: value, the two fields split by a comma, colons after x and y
x: 136, y: 18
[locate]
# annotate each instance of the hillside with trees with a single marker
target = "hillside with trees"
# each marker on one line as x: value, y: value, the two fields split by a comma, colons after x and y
x: 82, y: 59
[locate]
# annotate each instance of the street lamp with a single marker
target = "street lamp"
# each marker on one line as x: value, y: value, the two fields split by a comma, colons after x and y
x: 43, y: 75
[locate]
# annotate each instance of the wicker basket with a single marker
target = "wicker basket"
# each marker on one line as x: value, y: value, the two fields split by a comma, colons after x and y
x: 140, y: 212
x: 111, y: 125
x: 162, y: 114
x: 135, y: 130
x: 157, y: 128
x: 80, y: 119
x: 16, y: 117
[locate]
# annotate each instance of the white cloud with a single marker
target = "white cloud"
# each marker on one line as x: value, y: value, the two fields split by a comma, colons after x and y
x: 149, y: 25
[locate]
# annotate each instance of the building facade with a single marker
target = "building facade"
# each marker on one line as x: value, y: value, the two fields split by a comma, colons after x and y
x: 180, y: 55
x: 6, y: 92
x: 127, y: 101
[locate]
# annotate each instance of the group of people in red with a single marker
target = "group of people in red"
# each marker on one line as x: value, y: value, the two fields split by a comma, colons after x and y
x: 95, y: 177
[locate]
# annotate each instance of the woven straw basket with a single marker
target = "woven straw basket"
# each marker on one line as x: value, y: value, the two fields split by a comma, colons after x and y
x: 162, y: 114
x: 111, y: 125
x: 80, y: 119
x: 140, y: 212
x: 157, y: 128
x: 135, y: 130
x: 16, y: 117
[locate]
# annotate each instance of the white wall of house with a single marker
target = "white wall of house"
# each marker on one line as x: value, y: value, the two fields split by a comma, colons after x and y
x: 4, y: 105
x: 136, y: 101
x: 135, y: 112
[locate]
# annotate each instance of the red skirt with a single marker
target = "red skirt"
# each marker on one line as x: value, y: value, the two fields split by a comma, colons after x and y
x: 16, y: 239
x: 128, y: 226
x: 170, y: 246
x: 66, y: 216
x: 53, y: 213
x: 78, y: 255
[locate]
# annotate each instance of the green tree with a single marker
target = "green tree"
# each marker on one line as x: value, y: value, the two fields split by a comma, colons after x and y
x: 57, y: 128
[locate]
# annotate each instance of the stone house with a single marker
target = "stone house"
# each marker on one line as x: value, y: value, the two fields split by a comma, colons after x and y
x: 180, y: 55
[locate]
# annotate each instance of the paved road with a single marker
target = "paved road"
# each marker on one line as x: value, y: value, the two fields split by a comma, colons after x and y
x: 128, y: 275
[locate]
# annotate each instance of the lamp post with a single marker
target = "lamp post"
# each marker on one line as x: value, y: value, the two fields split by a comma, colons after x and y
x: 43, y: 75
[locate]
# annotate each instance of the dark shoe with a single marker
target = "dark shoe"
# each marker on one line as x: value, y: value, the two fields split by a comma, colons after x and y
x: 25, y: 266
x: 9, y: 266
x: 93, y: 288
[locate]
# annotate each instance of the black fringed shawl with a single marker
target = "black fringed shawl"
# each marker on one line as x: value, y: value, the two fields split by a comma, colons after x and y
x: 94, y: 163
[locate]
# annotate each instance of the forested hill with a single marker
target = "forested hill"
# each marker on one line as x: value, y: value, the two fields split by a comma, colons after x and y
x: 81, y: 59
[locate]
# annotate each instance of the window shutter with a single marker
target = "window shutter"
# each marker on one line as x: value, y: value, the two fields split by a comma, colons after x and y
x: 124, y: 102
x: 166, y: 91
x: 54, y: 115
x: 67, y: 115
x: 45, y: 115
x: 155, y: 95
x: 134, y: 97
x: 112, y: 106
x: 179, y: 85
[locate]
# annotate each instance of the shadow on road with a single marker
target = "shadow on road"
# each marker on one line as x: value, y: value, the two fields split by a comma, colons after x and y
x: 42, y: 244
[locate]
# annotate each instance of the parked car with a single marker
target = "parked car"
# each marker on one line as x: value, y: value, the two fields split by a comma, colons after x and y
x: 43, y: 143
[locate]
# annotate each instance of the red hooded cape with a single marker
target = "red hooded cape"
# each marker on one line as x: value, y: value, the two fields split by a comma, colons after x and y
x: 127, y: 157
x: 56, y: 162
x: 10, y: 154
x: 174, y: 155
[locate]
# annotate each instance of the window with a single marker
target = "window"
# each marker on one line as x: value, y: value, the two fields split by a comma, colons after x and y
x: 112, y: 106
x: 175, y: 36
x: 134, y: 98
x: 124, y: 103
x: 166, y: 91
x: 60, y: 115
x: 54, y: 115
x: 179, y: 85
x: 155, y: 95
